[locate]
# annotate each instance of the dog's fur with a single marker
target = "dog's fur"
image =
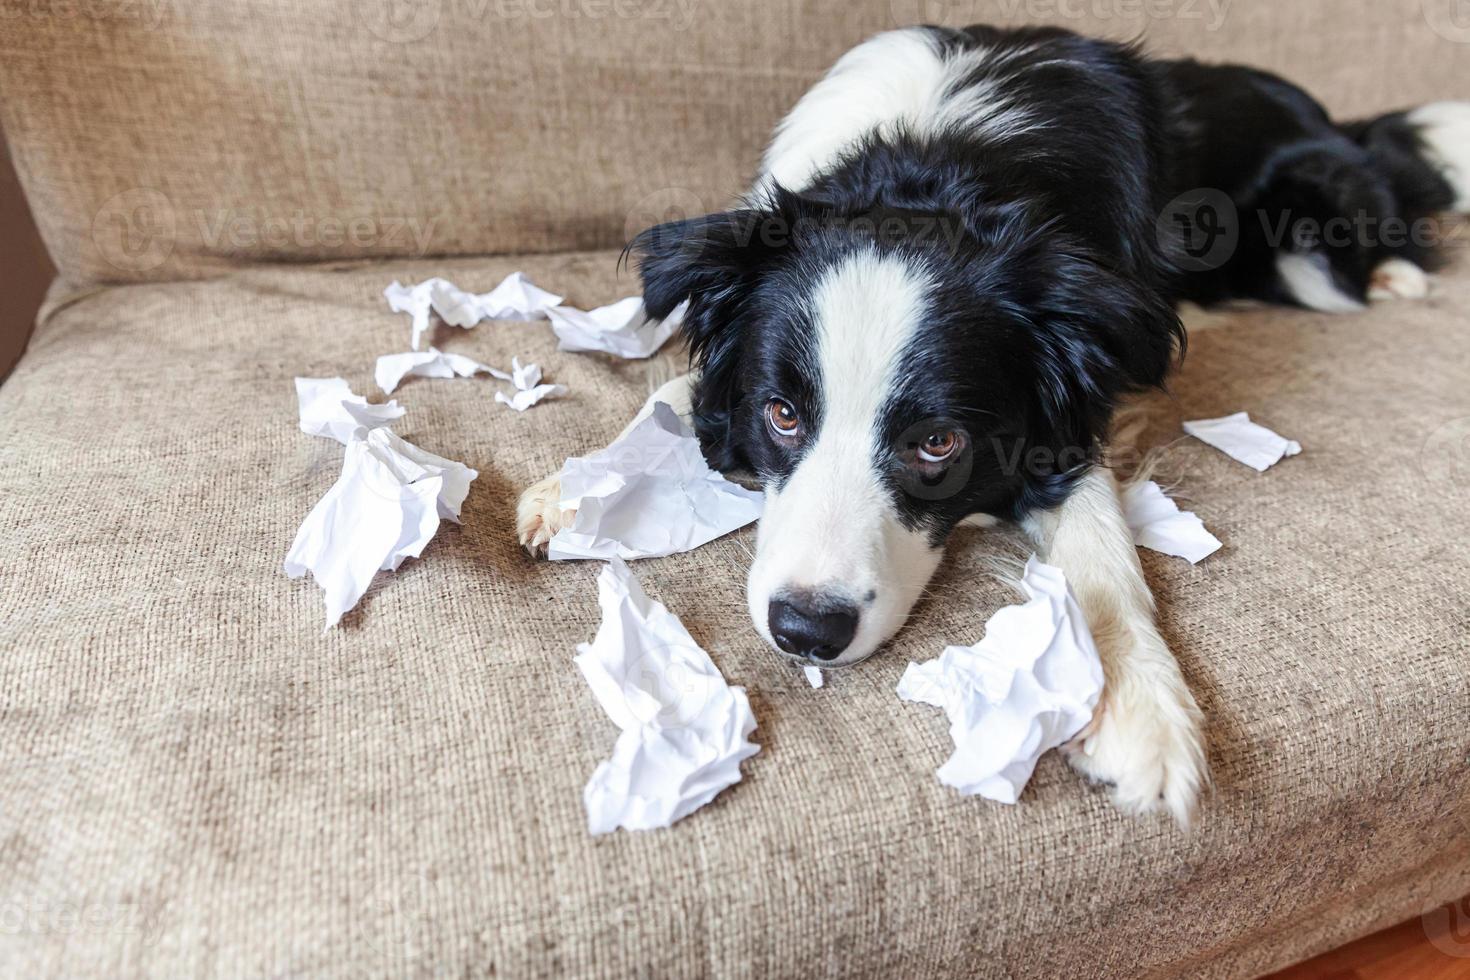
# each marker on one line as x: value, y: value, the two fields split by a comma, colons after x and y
x: 975, y: 240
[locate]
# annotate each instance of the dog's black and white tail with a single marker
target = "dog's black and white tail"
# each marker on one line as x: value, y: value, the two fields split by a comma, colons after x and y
x: 1425, y: 153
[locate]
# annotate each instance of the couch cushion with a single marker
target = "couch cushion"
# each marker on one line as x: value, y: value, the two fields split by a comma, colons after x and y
x: 159, y: 140
x: 196, y: 779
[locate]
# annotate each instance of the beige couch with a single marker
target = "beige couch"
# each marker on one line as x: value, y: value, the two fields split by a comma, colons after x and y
x: 194, y: 780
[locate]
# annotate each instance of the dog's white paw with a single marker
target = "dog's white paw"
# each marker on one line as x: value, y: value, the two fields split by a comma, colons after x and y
x: 1147, y: 741
x: 1398, y: 279
x: 539, y: 514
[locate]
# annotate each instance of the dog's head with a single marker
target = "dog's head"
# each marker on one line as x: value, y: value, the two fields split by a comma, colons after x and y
x: 887, y: 373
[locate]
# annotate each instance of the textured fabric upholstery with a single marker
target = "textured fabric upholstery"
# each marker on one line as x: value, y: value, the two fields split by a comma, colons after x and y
x: 161, y: 139
x: 181, y: 742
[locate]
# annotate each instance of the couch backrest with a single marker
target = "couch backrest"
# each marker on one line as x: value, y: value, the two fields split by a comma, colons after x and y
x: 171, y: 138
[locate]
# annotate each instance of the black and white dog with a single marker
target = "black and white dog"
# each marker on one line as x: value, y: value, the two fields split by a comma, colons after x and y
x: 963, y: 248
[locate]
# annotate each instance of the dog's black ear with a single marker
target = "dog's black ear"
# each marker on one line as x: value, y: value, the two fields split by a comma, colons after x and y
x: 1097, y: 336
x: 714, y: 262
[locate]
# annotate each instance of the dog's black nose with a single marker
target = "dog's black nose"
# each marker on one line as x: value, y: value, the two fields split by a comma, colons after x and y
x: 803, y: 631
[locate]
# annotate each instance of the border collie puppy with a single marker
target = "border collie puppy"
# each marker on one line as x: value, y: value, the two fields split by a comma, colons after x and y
x: 963, y: 248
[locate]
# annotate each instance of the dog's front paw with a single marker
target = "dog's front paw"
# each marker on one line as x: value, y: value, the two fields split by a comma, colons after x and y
x: 1398, y: 279
x: 1147, y: 741
x: 539, y: 514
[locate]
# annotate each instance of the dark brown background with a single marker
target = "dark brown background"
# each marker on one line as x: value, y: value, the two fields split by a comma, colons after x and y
x: 25, y: 269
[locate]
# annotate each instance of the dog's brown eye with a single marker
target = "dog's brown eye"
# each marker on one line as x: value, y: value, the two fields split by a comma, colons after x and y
x: 939, y: 446
x: 782, y: 417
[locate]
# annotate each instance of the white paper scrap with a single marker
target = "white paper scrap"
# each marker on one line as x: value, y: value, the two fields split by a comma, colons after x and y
x: 432, y: 363
x: 1241, y: 439
x: 529, y: 390
x: 515, y: 298
x: 1158, y: 524
x: 1029, y: 685
x: 383, y: 509
x: 328, y: 408
x: 523, y: 400
x: 622, y: 328
x: 525, y: 377
x: 648, y: 495
x: 814, y: 676
x: 684, y: 731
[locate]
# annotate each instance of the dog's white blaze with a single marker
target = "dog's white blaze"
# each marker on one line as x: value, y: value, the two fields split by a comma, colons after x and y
x: 833, y: 527
x: 1445, y: 129
x: 1308, y: 278
x: 896, y: 79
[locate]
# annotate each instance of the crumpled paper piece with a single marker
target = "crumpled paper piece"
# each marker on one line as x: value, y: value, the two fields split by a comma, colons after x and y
x: 1030, y: 685
x: 684, y: 731
x: 515, y: 298
x: 328, y: 408
x: 432, y: 363
x: 1241, y: 439
x: 1158, y: 524
x: 622, y: 328
x: 647, y: 495
x: 383, y: 509
x: 529, y: 390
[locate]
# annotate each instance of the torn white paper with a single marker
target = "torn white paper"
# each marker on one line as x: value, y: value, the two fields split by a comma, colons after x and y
x: 1241, y: 439
x: 522, y: 400
x: 647, y: 495
x: 516, y: 298
x: 1158, y: 524
x: 813, y: 676
x: 1030, y: 685
x: 384, y: 508
x: 524, y: 376
x: 432, y: 363
x: 684, y: 731
x: 529, y: 390
x: 328, y: 408
x: 622, y: 328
